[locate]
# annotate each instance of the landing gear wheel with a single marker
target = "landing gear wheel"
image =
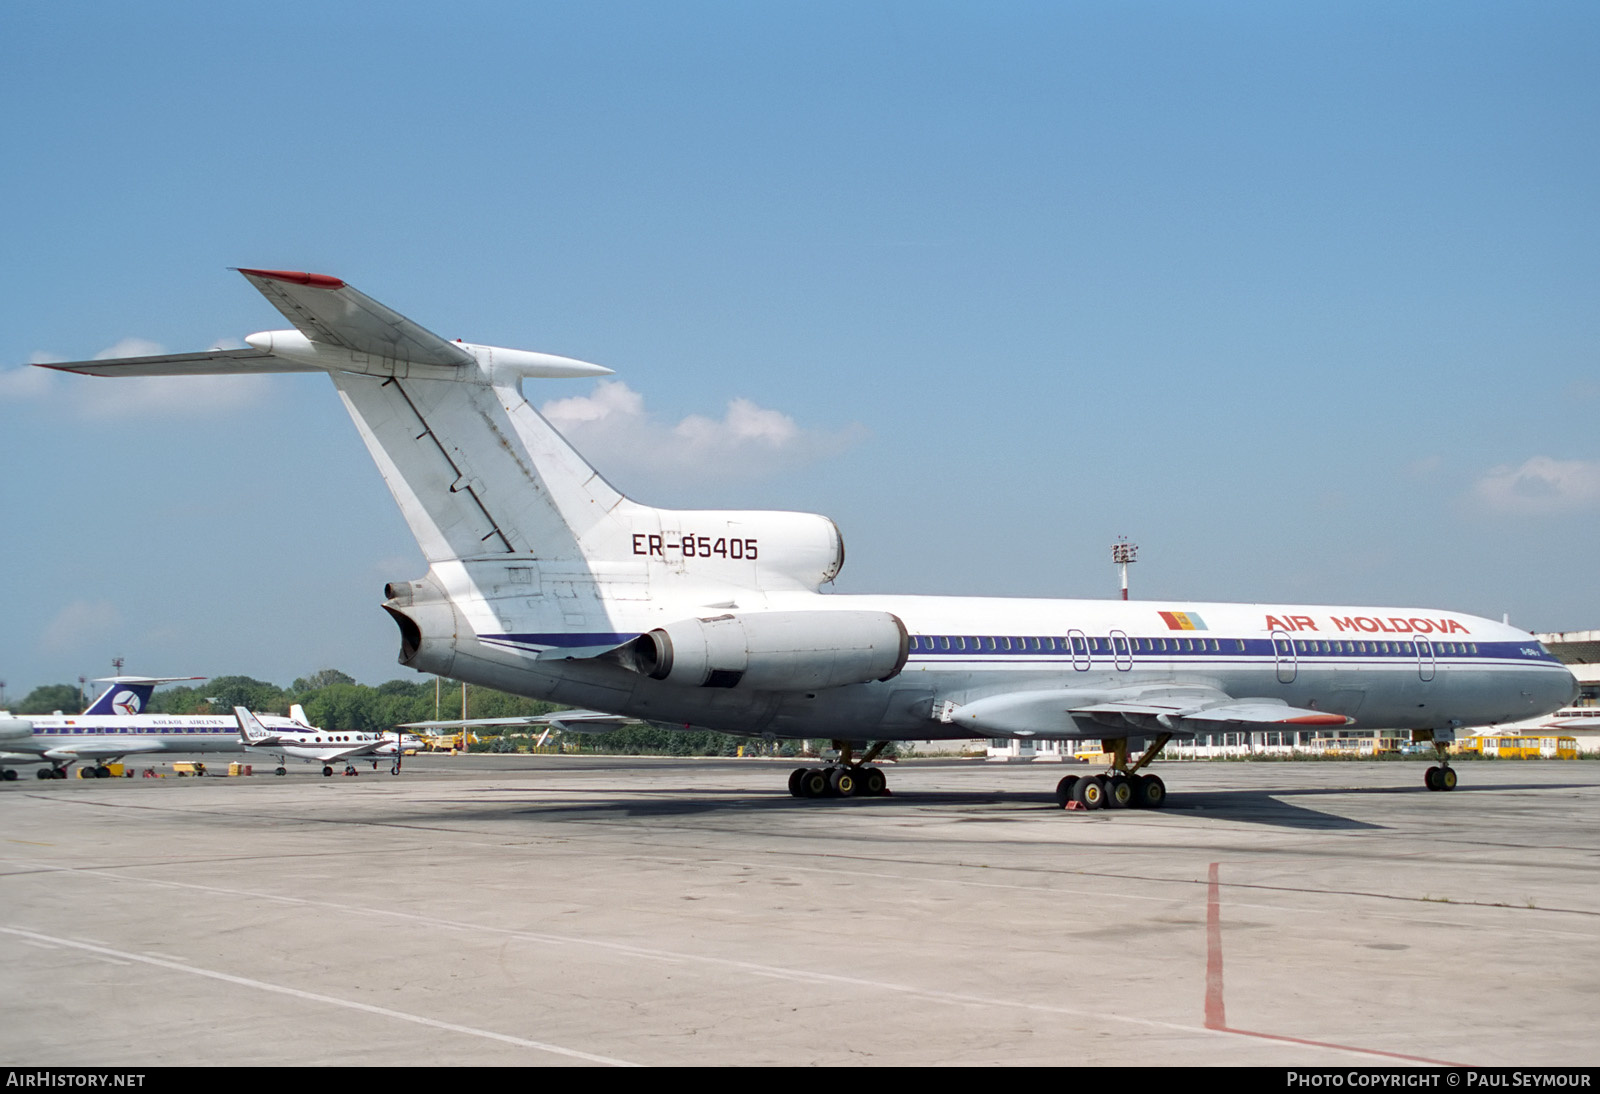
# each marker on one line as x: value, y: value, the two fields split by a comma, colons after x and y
x: 814, y: 784
x: 1151, y: 792
x: 1090, y: 792
x: 874, y: 782
x: 9, y: 775
x: 796, y: 777
x: 394, y: 768
x: 1119, y: 791
x: 281, y: 771
x: 1446, y: 779
x: 1064, y: 790
x: 843, y: 782
x: 45, y: 773
x: 327, y: 769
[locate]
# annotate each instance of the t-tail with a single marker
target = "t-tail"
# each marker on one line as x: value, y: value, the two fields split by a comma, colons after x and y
x: 531, y: 552
x: 130, y: 694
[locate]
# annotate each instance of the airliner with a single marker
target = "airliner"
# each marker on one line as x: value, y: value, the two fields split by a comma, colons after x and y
x: 298, y: 739
x: 112, y: 727
x: 116, y: 726
x: 546, y: 581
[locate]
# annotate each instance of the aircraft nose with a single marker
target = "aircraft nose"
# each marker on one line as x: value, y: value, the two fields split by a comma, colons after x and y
x: 1574, y: 689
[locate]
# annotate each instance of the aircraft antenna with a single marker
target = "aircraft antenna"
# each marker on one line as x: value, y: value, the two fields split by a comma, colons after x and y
x: 1123, y: 553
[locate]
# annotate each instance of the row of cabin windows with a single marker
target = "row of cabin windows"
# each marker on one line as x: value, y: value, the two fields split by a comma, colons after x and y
x: 1077, y: 644
x: 1446, y: 648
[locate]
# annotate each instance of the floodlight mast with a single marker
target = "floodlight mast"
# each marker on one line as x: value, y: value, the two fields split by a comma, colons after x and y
x: 1122, y: 553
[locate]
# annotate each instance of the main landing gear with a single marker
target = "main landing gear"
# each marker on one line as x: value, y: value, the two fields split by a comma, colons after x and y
x: 1120, y: 788
x: 849, y: 778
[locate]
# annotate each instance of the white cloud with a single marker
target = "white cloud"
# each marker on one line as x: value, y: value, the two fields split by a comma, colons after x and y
x: 101, y: 398
x: 20, y: 384
x: 79, y: 624
x: 1541, y: 485
x: 613, y: 427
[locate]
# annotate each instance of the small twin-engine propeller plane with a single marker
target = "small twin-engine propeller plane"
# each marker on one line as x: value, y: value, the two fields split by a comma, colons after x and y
x: 546, y: 581
x: 295, y: 737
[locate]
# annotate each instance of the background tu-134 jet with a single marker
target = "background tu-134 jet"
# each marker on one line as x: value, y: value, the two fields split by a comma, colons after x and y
x: 546, y: 581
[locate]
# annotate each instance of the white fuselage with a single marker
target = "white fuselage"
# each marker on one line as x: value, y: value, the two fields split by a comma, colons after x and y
x: 1383, y: 667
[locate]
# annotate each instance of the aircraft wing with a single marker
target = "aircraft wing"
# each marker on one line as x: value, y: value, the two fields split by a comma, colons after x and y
x: 1182, y: 710
x: 326, y: 310
x: 571, y: 721
x: 104, y: 749
x: 1174, y: 714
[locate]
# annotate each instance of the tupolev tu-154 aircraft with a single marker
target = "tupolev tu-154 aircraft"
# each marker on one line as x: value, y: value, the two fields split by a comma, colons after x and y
x: 546, y: 581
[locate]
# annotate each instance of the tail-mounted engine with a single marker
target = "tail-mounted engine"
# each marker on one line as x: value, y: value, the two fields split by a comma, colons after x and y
x: 428, y: 624
x: 772, y: 651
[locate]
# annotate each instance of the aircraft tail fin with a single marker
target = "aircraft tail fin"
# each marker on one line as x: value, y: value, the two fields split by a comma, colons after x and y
x: 130, y: 694
x: 251, y: 731
x: 481, y: 476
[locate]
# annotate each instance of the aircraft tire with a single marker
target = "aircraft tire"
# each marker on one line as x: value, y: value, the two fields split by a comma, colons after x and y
x: 9, y: 775
x: 44, y: 773
x: 394, y: 768
x: 1151, y: 792
x: 281, y: 771
x: 1446, y: 779
x: 842, y: 782
x: 1119, y: 792
x: 326, y: 771
x: 815, y: 783
x: 1064, y: 790
x: 874, y: 783
x: 1430, y: 778
x: 796, y: 777
x: 1090, y: 792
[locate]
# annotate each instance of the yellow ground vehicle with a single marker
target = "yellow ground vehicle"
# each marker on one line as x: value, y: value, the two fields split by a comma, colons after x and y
x: 1522, y: 748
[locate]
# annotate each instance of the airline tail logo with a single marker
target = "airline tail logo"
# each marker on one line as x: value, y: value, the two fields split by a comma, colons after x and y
x: 1183, y: 621
x: 121, y: 700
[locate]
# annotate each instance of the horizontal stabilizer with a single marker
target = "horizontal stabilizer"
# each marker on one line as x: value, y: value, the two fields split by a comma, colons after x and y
x: 217, y: 362
x: 326, y: 310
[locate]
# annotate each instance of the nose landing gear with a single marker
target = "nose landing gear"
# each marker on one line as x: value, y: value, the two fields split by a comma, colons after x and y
x: 1442, y: 777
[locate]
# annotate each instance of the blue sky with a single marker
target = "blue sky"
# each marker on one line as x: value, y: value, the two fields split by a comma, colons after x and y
x: 1299, y: 297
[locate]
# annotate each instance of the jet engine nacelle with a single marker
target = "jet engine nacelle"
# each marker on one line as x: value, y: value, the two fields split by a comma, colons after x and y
x: 13, y: 728
x: 428, y: 622
x: 773, y: 651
